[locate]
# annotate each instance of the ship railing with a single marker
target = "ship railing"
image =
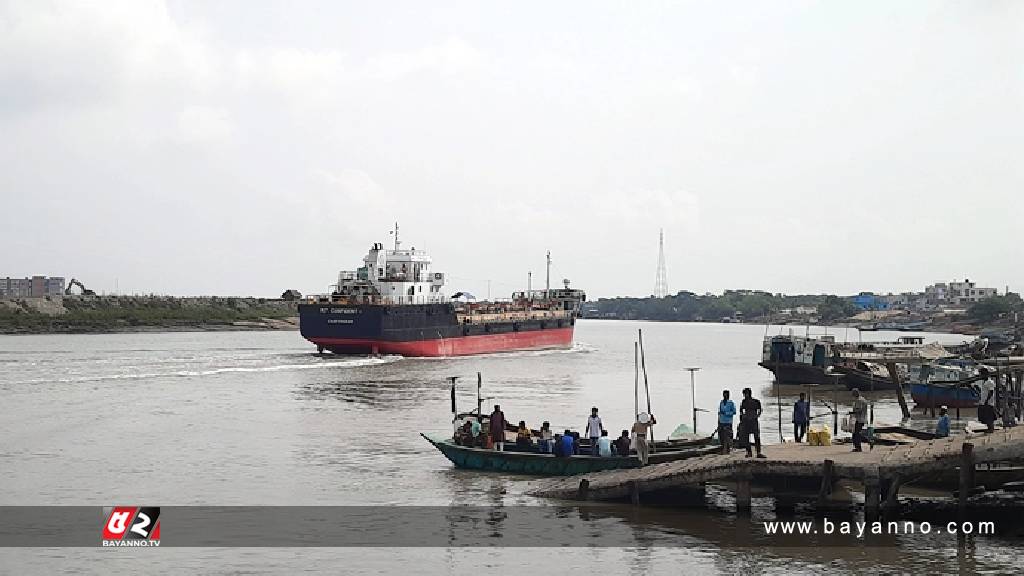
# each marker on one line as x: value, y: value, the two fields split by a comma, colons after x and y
x: 485, y: 318
x: 374, y: 300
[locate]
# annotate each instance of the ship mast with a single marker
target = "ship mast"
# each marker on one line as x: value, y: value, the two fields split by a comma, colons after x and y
x: 396, y: 237
x: 547, y: 281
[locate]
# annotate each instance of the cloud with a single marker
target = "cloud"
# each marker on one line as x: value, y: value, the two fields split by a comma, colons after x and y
x: 204, y: 124
x: 450, y: 57
x: 81, y: 53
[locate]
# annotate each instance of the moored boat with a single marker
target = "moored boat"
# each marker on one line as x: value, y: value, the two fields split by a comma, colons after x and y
x: 865, y: 376
x: 798, y: 359
x: 515, y: 461
x: 950, y: 394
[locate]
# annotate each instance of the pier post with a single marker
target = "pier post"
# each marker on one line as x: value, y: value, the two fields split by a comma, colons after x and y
x: 872, y: 484
x: 634, y: 492
x: 826, y: 483
x: 743, y: 490
x: 895, y: 375
x: 966, y: 476
x: 584, y: 489
x: 892, y: 493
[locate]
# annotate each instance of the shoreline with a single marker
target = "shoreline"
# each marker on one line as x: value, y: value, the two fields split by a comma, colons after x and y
x: 270, y: 325
x: 958, y: 329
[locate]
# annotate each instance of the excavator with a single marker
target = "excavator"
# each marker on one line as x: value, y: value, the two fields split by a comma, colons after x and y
x: 74, y: 282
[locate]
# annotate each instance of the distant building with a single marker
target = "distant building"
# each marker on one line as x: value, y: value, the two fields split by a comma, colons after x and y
x: 869, y: 301
x: 34, y: 287
x: 957, y: 293
x: 809, y: 310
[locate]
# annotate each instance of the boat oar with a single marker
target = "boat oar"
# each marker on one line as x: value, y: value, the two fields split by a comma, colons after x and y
x: 636, y: 383
x: 455, y: 412
x: 647, y: 388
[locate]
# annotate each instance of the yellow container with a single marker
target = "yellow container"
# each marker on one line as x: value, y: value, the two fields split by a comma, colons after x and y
x: 819, y: 436
x: 825, y: 436
x: 813, y: 437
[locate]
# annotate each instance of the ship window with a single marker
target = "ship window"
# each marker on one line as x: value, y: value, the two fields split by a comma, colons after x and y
x: 419, y: 288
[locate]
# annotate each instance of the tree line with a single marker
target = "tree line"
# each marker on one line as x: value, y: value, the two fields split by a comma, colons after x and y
x: 690, y: 307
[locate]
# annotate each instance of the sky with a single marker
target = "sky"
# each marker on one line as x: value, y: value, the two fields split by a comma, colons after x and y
x: 248, y: 147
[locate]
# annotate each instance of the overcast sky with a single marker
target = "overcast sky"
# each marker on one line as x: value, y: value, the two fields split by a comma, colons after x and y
x: 247, y: 147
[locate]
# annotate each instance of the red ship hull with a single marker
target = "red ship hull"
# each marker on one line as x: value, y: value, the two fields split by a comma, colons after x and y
x: 458, y: 346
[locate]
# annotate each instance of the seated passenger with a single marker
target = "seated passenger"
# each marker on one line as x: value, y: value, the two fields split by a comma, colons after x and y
x: 524, y: 437
x: 556, y: 446
x: 475, y: 429
x: 622, y: 444
x: 545, y: 438
x: 604, y: 444
x: 568, y: 444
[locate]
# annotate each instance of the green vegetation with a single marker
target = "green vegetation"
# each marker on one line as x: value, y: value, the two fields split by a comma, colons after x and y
x: 689, y: 307
x: 102, y: 314
x: 996, y: 307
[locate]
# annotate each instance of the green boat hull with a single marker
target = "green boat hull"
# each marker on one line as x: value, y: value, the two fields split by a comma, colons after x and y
x: 548, y: 464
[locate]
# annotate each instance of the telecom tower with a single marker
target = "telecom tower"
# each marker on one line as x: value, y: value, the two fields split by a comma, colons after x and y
x: 661, y: 282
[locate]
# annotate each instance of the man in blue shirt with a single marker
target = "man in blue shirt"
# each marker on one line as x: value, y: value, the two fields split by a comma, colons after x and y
x: 942, y: 426
x: 568, y: 444
x: 801, y: 417
x: 726, y: 410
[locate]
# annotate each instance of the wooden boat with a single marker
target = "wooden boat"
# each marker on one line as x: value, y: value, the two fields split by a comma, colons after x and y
x: 515, y: 461
x: 950, y: 394
x: 865, y: 376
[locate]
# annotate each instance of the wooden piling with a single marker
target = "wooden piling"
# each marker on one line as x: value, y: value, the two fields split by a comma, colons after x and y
x: 892, y: 494
x: 826, y: 483
x: 872, y: 485
x: 634, y: 492
x: 743, y: 491
x: 966, y: 475
x: 895, y: 375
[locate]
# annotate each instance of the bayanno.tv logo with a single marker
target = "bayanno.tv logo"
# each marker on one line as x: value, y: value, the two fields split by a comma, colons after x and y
x: 131, y: 526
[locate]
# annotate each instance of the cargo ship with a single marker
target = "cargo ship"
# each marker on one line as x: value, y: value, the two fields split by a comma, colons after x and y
x: 395, y: 304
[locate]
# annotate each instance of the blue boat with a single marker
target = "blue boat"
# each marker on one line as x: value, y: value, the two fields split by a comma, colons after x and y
x: 520, y: 462
x: 951, y: 395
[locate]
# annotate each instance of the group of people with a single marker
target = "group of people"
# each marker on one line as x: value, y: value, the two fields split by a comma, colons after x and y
x: 994, y: 402
x: 545, y: 441
x: 750, y: 412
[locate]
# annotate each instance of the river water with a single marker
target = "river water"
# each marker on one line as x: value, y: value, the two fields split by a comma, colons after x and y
x: 257, y: 418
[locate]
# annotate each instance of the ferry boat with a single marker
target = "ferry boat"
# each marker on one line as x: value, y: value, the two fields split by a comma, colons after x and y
x: 395, y: 304
x: 799, y: 359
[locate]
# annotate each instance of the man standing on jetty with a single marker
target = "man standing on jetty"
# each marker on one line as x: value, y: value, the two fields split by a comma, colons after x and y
x: 726, y: 410
x: 987, y: 401
x: 860, y: 416
x: 801, y: 417
x: 594, y: 429
x: 750, y: 411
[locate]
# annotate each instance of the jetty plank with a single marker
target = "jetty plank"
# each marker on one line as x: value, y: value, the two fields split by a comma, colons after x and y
x: 790, y: 460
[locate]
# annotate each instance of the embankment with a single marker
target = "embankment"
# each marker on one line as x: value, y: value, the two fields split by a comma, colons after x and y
x: 97, y: 314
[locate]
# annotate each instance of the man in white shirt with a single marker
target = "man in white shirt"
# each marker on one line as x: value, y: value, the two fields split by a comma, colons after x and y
x: 987, y: 401
x: 594, y: 429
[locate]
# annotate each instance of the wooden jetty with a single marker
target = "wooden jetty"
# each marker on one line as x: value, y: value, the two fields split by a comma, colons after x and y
x: 881, y: 470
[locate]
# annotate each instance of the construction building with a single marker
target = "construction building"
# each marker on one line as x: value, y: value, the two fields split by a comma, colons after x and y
x: 34, y: 287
